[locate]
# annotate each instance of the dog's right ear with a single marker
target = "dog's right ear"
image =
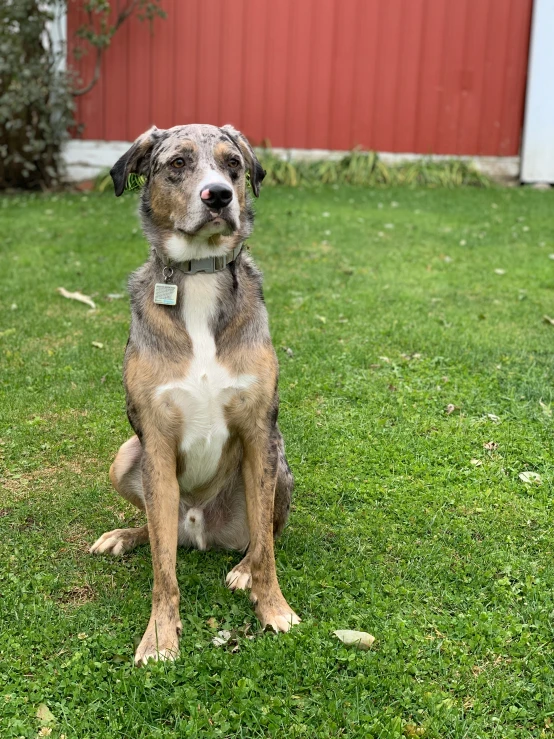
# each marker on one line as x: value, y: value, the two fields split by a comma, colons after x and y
x: 135, y: 161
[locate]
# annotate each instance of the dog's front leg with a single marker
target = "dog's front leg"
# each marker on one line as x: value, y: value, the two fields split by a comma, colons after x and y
x: 161, y: 497
x: 258, y: 567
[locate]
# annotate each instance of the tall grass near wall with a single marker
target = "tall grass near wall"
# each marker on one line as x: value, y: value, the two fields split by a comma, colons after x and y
x: 355, y: 168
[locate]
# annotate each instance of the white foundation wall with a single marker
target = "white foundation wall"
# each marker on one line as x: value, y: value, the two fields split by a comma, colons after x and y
x: 85, y: 160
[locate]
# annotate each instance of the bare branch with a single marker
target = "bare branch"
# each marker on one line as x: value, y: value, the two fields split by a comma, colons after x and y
x: 95, y: 75
x: 124, y: 14
x: 101, y: 38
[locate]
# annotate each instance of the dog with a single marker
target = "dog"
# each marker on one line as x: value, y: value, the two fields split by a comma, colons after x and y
x: 207, y: 461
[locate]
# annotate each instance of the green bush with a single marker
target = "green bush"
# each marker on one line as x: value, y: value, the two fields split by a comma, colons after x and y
x: 36, y: 105
x: 36, y: 94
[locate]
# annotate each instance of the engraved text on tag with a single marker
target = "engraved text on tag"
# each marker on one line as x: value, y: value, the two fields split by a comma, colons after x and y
x: 165, y: 294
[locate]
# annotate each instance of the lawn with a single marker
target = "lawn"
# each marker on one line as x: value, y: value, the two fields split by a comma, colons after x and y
x: 409, y: 326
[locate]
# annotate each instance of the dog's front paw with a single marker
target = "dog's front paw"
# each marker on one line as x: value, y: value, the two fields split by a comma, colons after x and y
x: 160, y: 642
x: 274, y: 611
x: 119, y: 541
x: 240, y: 577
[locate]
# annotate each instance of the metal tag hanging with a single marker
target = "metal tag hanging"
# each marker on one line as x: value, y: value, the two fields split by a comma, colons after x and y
x: 165, y: 293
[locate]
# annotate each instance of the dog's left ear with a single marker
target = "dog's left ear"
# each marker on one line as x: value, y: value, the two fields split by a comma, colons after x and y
x: 135, y: 161
x: 255, y: 169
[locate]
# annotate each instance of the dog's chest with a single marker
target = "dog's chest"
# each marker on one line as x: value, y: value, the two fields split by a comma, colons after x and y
x: 207, y: 388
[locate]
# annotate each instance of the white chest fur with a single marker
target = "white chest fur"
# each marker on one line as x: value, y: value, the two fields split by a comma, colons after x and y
x: 207, y: 388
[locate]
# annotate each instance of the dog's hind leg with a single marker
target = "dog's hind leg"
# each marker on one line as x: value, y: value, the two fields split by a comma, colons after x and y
x: 283, y: 490
x: 240, y: 578
x: 126, y: 473
x: 126, y: 477
x: 257, y: 569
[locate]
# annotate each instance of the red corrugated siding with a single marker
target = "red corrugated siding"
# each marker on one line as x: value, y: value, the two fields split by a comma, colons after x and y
x: 425, y: 76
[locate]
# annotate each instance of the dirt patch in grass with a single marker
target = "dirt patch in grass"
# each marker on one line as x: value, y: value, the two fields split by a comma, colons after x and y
x: 77, y: 595
x: 79, y: 535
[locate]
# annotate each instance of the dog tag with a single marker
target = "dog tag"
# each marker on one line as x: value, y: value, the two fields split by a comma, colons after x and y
x: 165, y: 294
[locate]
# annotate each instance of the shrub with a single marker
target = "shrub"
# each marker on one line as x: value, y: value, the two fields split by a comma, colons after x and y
x: 36, y: 94
x: 36, y: 104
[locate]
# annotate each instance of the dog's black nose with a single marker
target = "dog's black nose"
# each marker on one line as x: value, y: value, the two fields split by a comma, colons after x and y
x: 216, y: 196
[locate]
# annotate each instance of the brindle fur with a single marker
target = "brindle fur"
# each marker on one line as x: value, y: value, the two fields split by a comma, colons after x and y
x: 253, y: 481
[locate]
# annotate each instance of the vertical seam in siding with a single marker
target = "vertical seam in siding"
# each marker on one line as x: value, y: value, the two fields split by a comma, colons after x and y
x: 376, y: 56
x: 240, y: 122
x: 505, y: 80
x: 526, y: 48
x: 398, y: 72
x: 173, y: 55
x: 217, y: 32
x: 424, y: 13
x: 266, y: 69
x: 438, y: 122
x: 196, y: 58
x: 482, y: 106
x: 286, y: 132
x: 331, y: 92
x: 353, y: 95
x: 102, y: 115
x: 308, y: 127
x: 151, y: 80
x: 127, y: 95
x: 462, y: 94
x: 243, y: 67
x: 286, y: 73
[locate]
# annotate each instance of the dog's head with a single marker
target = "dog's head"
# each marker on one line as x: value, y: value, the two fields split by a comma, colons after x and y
x: 196, y: 180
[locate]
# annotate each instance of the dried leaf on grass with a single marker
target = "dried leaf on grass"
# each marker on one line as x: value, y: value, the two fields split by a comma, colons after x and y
x: 549, y: 320
x: 360, y: 639
x: 77, y: 296
x: 44, y: 714
x: 411, y: 731
x: 97, y: 344
x: 232, y: 639
x: 222, y: 638
x: 490, y: 445
x: 450, y: 408
x: 530, y: 478
x: 476, y: 462
x: 546, y: 409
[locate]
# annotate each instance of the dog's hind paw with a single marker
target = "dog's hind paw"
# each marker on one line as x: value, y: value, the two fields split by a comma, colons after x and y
x: 119, y: 541
x: 240, y: 577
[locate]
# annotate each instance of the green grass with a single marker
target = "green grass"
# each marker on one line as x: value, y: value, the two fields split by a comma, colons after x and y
x: 391, y: 305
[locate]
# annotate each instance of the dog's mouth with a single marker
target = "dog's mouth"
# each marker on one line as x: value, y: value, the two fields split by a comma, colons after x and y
x: 214, y: 222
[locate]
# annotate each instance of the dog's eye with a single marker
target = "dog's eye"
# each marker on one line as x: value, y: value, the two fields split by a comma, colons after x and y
x: 233, y: 163
x: 178, y: 163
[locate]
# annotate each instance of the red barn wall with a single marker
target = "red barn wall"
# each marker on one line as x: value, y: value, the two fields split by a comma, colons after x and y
x: 423, y: 76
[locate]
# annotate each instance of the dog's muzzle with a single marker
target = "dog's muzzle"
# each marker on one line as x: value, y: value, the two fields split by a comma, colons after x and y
x: 216, y: 196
